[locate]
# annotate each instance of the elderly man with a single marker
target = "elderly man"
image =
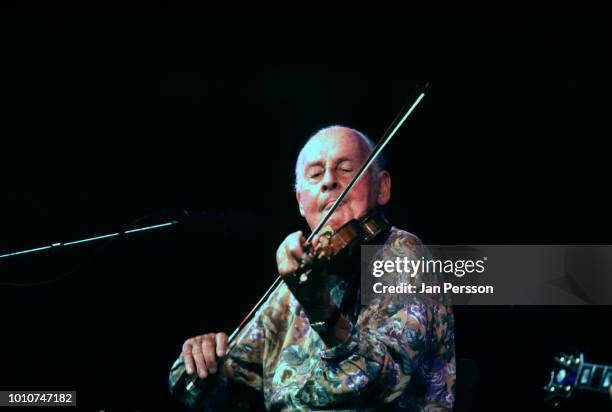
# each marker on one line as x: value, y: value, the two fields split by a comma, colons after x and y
x: 301, y: 352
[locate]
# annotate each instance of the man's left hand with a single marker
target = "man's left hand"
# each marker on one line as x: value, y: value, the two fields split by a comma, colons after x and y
x: 313, y: 294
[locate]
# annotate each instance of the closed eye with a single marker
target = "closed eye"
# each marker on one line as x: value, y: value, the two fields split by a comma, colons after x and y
x: 346, y: 166
x: 314, y: 171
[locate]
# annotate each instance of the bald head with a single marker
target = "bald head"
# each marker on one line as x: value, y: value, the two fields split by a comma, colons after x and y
x: 327, y: 136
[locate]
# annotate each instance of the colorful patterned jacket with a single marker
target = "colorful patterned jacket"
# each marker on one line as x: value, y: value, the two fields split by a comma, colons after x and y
x: 399, y: 356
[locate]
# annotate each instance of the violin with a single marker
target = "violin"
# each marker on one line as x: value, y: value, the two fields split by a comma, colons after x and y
x: 333, y: 250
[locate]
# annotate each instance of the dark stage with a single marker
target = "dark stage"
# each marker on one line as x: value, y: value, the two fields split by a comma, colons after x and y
x: 113, y: 113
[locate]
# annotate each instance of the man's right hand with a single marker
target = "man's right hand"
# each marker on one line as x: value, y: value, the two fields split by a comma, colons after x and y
x: 200, y: 353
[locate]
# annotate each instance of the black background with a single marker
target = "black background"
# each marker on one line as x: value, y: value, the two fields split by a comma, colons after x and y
x: 113, y: 112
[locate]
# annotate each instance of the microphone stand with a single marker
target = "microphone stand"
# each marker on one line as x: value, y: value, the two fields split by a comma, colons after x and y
x: 61, y: 245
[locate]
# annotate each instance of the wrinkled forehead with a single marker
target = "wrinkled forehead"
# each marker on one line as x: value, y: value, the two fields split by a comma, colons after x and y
x: 334, y: 145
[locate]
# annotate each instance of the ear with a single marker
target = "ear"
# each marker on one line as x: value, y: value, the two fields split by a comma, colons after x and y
x: 298, y: 196
x: 384, y: 188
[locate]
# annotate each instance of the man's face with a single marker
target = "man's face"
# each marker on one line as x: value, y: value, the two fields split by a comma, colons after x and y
x: 326, y: 166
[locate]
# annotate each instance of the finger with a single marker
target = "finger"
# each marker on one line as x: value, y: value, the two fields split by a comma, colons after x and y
x: 291, y: 263
x: 208, y: 348
x: 284, y: 250
x: 188, y: 358
x: 296, y: 250
x: 285, y: 263
x: 221, y: 339
x: 315, y: 240
x: 322, y: 238
x: 292, y: 251
x: 286, y: 268
x: 198, y: 356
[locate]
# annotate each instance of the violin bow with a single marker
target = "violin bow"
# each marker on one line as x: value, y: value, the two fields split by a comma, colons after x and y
x: 399, y: 120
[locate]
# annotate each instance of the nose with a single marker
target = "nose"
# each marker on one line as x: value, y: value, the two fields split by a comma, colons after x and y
x: 329, y: 181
